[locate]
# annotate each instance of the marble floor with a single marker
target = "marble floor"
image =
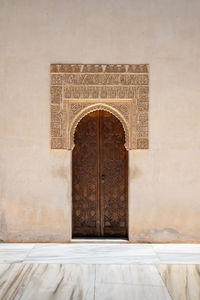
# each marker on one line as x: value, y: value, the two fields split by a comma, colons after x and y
x: 100, y: 271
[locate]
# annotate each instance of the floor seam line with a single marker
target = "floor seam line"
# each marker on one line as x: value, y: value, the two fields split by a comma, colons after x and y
x: 94, y: 281
x: 164, y: 283
x: 28, y: 252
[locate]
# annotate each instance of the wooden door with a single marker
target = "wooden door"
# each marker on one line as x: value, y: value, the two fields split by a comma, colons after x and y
x: 99, y: 178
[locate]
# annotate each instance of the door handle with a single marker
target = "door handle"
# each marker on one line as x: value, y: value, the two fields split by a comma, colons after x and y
x: 102, y: 178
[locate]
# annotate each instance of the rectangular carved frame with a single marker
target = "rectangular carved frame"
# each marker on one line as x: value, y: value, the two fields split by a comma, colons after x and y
x: 79, y: 89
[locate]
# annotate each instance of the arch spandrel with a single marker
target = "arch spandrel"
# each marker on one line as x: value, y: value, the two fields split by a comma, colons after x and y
x: 95, y: 107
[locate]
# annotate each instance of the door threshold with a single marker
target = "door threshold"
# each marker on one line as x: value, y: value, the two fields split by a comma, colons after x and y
x: 99, y: 241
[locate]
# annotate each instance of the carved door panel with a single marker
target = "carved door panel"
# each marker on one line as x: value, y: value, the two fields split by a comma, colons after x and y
x: 114, y: 167
x: 99, y: 178
x: 85, y: 179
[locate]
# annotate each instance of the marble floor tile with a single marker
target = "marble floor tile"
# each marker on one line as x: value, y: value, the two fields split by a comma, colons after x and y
x: 177, y: 253
x: 99, y: 271
x: 99, y: 253
x: 14, y: 252
x: 130, y: 292
x: 46, y: 282
x: 182, y: 281
x: 189, y: 248
x: 92, y: 254
x: 129, y: 274
x: 99, y: 282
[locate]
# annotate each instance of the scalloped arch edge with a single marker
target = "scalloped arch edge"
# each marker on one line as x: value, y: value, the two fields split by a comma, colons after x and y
x: 95, y: 107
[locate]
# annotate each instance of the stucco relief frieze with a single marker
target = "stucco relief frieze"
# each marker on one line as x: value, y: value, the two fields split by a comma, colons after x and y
x: 77, y: 90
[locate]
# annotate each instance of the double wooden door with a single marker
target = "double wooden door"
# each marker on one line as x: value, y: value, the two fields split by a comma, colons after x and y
x: 99, y: 178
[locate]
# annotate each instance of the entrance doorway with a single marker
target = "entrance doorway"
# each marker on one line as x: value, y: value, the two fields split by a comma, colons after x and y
x: 99, y: 178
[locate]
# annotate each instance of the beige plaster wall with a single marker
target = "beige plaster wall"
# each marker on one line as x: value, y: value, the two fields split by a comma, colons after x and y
x: 35, y: 187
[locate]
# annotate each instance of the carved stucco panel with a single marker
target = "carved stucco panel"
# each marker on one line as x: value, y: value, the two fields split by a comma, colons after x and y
x: 83, y: 107
x: 77, y: 90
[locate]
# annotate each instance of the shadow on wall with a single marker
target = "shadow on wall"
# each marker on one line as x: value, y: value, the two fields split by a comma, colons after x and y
x: 3, y: 227
x: 134, y: 172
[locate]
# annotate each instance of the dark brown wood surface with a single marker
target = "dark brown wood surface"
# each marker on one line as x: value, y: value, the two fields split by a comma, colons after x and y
x: 99, y: 178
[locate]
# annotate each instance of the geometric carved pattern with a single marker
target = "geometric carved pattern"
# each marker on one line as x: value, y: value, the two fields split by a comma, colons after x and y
x: 85, y: 191
x: 77, y: 90
x: 99, y: 177
x: 115, y: 186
